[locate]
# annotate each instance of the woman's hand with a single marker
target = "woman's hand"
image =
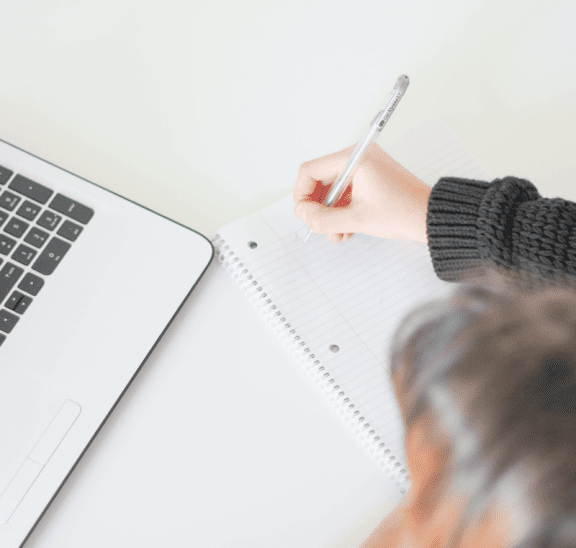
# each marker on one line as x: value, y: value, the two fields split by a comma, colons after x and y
x: 383, y: 199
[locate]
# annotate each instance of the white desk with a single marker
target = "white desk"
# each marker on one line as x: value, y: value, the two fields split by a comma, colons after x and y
x: 203, y: 111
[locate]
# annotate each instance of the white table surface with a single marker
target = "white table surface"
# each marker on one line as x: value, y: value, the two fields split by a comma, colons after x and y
x: 203, y: 111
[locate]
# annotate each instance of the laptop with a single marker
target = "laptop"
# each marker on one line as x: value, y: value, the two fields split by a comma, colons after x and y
x: 89, y: 282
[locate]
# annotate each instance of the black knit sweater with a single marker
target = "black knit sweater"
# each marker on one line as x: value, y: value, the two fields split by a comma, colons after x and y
x: 506, y: 224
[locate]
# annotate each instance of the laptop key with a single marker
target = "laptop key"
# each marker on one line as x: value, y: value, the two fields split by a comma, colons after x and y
x: 6, y: 244
x: 36, y: 237
x: 9, y: 201
x: 7, y: 321
x: 69, y: 230
x: 18, y: 302
x: 24, y: 254
x: 16, y: 227
x: 31, y: 284
x: 23, y: 304
x: 51, y: 256
x: 31, y: 189
x: 71, y: 208
x: 49, y: 220
x: 5, y: 175
x: 13, y: 300
x: 2, y: 338
x: 9, y: 275
x: 28, y: 210
x: 3, y: 217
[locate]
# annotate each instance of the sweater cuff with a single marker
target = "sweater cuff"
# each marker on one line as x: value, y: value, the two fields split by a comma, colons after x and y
x: 451, y: 222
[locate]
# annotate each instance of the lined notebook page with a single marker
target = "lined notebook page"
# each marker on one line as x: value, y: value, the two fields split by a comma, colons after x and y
x: 345, y: 300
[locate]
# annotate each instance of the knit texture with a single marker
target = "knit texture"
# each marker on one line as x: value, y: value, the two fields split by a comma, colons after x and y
x: 506, y: 225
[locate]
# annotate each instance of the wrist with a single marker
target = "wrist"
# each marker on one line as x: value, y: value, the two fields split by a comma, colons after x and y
x: 418, y: 219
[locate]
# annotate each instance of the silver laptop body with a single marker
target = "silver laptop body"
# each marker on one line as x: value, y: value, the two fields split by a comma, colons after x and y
x: 89, y: 282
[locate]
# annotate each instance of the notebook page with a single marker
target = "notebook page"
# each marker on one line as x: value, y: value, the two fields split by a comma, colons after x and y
x: 344, y: 300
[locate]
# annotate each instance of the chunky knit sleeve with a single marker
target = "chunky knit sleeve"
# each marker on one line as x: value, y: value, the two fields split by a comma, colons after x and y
x: 505, y: 223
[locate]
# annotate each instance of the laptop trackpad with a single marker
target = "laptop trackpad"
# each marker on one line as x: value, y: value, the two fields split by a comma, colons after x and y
x: 37, y: 459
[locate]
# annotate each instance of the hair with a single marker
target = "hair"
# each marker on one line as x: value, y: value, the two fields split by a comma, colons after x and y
x: 493, y: 366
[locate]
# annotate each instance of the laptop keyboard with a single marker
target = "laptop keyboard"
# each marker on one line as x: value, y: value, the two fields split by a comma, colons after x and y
x: 37, y: 228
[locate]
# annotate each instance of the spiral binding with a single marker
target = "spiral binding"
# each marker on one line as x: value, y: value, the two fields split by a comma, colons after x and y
x: 277, y: 323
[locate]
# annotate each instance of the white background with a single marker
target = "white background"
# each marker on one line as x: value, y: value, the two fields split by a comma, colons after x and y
x: 203, y: 111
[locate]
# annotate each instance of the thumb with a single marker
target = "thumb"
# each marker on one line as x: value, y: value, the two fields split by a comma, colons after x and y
x: 327, y: 220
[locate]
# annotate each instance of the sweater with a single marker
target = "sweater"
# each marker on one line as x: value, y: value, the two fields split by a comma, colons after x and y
x: 504, y: 224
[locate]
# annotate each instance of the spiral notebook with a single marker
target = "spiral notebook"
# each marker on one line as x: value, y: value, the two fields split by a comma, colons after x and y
x: 334, y: 307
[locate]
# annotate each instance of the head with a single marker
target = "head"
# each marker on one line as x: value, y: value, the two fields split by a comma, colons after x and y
x: 486, y: 381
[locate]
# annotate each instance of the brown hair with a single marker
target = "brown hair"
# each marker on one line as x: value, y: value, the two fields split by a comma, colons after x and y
x: 494, y: 367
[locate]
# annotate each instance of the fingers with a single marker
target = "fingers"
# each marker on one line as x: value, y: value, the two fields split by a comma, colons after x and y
x: 326, y: 169
x: 327, y: 220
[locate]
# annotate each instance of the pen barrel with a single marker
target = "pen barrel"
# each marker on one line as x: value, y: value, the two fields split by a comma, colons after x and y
x: 353, y: 162
x: 375, y: 127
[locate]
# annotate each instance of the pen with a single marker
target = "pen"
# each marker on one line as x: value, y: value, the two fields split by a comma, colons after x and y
x: 373, y: 131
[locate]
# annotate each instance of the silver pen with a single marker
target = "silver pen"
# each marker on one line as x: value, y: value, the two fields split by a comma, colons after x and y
x: 373, y: 131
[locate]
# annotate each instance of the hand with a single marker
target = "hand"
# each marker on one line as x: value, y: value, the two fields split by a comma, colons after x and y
x: 383, y: 199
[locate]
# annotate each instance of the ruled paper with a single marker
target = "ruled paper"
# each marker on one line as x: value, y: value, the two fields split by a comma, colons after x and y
x: 353, y: 294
